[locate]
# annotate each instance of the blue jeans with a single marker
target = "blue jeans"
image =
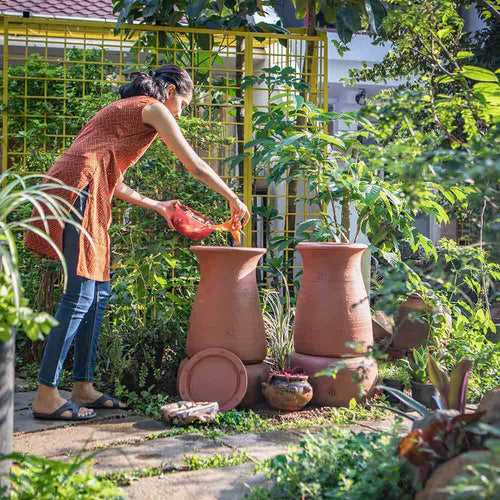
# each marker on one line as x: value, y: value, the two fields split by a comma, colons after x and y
x: 79, y: 315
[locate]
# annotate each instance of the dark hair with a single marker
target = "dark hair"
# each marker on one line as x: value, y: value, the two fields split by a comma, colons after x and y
x: 155, y: 83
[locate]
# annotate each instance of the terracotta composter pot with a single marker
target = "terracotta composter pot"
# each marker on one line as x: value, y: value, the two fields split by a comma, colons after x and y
x: 332, y: 307
x: 226, y: 311
x: 256, y: 374
x: 411, y: 328
x: 355, y: 379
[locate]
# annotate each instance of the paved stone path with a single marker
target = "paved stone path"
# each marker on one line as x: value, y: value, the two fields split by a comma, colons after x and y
x: 126, y: 443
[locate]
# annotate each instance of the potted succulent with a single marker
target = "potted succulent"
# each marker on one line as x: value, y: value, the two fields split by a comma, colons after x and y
x: 284, y: 389
x: 421, y: 390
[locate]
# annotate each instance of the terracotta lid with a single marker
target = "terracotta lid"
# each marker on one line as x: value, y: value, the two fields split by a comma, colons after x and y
x: 214, y: 374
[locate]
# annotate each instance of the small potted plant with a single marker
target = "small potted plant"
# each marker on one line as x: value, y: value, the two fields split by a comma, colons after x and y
x: 421, y: 390
x: 284, y: 389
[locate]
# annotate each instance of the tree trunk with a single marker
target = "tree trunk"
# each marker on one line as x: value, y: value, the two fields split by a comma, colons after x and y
x: 7, y: 350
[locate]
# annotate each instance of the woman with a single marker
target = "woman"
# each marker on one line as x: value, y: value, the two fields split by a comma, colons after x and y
x: 113, y: 140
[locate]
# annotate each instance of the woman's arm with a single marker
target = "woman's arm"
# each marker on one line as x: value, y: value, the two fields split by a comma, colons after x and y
x: 164, y: 208
x: 159, y: 117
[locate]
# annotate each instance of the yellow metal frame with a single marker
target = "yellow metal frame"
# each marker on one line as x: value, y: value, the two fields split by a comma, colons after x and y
x: 50, y: 37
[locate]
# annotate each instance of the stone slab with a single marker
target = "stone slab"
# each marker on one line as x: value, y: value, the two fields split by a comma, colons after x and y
x: 164, y: 452
x: 229, y: 483
x: 262, y: 446
x: 52, y: 443
x: 24, y: 421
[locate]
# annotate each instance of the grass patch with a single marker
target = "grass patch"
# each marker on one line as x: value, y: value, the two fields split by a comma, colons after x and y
x: 198, y: 462
x: 125, y: 478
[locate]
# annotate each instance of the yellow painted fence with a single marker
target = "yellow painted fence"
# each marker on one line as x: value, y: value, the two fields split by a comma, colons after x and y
x: 48, y: 63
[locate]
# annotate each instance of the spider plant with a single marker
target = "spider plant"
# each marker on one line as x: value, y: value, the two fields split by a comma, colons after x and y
x: 17, y: 192
x: 38, y: 191
x: 278, y: 315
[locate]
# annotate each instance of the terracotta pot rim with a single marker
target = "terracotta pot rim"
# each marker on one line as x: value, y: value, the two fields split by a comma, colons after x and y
x: 317, y: 245
x: 208, y: 248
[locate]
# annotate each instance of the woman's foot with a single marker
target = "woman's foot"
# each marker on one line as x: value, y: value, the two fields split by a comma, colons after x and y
x: 85, y: 393
x: 48, y: 400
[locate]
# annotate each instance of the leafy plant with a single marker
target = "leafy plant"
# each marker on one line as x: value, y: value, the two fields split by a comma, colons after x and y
x: 278, y: 314
x: 417, y: 363
x: 441, y: 438
x: 44, y: 479
x: 338, y: 464
x: 452, y: 389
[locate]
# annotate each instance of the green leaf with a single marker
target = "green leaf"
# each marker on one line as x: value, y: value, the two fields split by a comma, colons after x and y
x: 439, y: 378
x: 464, y: 54
x: 348, y: 22
x: 292, y: 139
x: 332, y: 140
x: 458, y: 385
x: 160, y: 280
x: 479, y: 74
x: 444, y: 32
x: 410, y: 402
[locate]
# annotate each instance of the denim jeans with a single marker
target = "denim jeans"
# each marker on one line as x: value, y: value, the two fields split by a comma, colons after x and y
x: 79, y: 316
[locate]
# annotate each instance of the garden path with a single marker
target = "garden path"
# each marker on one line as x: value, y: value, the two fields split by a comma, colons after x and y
x: 137, y: 446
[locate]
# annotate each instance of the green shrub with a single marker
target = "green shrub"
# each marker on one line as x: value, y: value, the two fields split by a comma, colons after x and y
x: 339, y: 465
x: 44, y: 479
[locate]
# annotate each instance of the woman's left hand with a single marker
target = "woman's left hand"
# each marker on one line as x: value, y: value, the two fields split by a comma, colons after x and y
x: 167, y: 209
x: 239, y: 211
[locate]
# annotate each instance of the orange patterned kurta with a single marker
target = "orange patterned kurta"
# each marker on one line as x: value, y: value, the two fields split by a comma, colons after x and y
x: 113, y: 140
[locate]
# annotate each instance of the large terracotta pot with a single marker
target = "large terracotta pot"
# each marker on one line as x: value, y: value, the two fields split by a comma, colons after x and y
x: 332, y: 307
x: 256, y: 374
x: 411, y: 328
x: 444, y: 475
x: 226, y: 311
x: 355, y: 379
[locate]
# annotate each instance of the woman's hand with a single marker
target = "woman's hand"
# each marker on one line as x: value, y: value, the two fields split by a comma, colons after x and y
x: 239, y: 211
x: 166, y: 209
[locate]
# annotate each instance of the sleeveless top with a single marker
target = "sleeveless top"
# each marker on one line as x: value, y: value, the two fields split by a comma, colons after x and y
x: 113, y: 140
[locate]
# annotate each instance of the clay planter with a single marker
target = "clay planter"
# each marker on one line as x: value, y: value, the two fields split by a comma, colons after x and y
x: 332, y: 307
x: 355, y: 379
x: 256, y: 374
x: 423, y: 393
x: 213, y: 375
x: 226, y: 311
x: 445, y: 474
x: 289, y: 392
x: 411, y: 329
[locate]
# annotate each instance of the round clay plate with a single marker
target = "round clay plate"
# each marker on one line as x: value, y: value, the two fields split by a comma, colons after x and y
x: 214, y: 374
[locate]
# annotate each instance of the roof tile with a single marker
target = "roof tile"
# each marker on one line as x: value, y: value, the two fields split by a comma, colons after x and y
x: 101, y: 9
